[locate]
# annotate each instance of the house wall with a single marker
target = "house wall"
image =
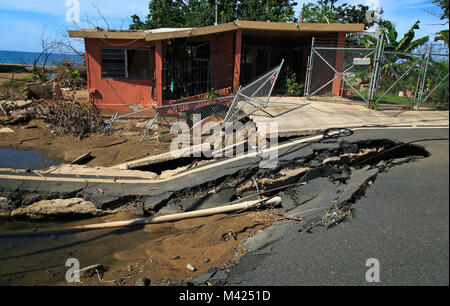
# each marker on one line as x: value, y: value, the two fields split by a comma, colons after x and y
x: 117, y: 95
x: 123, y: 95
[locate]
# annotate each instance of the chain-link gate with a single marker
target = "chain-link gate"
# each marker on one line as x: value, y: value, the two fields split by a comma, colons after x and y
x: 340, y: 74
x: 253, y: 96
x: 377, y: 77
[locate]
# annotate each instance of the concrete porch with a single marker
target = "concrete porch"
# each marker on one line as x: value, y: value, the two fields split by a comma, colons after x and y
x: 298, y: 117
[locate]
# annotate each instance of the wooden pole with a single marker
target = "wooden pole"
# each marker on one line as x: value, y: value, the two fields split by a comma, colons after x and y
x: 186, y: 215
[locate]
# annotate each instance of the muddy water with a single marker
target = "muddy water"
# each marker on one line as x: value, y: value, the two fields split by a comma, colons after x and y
x: 37, y: 256
x: 21, y: 159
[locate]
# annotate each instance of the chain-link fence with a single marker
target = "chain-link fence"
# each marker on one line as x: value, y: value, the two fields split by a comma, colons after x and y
x: 379, y: 77
x: 340, y: 74
x: 399, y: 78
x: 254, y: 96
x: 434, y: 89
x: 213, y: 109
x: 217, y: 108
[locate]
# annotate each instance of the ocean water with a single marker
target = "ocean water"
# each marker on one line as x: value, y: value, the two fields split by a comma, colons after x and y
x: 28, y: 58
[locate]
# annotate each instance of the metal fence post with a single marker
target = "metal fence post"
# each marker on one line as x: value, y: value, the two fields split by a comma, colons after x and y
x: 309, y: 69
x: 376, y: 69
x: 422, y: 87
x: 421, y: 70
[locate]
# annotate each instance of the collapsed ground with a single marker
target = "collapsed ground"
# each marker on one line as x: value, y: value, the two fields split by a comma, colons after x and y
x: 335, y: 173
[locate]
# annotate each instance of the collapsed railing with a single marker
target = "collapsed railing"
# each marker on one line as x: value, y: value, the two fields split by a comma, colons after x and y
x: 231, y: 108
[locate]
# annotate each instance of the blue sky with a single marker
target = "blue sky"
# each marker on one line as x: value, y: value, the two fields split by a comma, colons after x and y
x: 23, y: 21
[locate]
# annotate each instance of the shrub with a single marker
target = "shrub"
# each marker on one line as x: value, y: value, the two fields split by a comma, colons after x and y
x: 293, y: 87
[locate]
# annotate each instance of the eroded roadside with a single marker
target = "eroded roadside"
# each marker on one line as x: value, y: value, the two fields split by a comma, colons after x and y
x: 336, y: 173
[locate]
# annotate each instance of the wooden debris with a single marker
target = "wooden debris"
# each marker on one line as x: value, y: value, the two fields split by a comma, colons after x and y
x: 79, y: 160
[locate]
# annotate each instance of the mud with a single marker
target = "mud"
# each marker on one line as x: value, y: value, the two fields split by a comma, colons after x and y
x: 103, y: 148
x: 38, y: 258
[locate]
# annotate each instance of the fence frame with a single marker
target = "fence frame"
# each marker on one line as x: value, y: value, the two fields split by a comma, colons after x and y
x: 378, y: 53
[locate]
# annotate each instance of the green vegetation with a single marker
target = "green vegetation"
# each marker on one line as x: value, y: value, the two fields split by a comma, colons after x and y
x: 406, y: 44
x: 324, y: 11
x: 165, y: 136
x: 443, y: 15
x: 212, y: 94
x: 196, y: 13
x: 17, y: 83
x: 294, y: 88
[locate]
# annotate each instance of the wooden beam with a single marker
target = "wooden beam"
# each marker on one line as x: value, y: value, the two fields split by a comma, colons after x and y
x: 159, y: 67
x: 106, y: 34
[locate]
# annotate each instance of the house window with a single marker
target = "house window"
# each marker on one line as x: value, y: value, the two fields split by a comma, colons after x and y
x: 126, y: 63
x: 113, y: 63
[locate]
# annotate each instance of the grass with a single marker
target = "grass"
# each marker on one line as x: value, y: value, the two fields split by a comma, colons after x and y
x: 17, y: 83
x: 388, y: 99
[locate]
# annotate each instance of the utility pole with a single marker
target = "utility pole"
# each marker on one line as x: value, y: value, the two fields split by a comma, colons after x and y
x: 215, y: 8
x: 303, y: 11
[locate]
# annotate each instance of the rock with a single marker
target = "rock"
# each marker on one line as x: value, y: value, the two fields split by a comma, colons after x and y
x: 58, y: 207
x: 142, y: 282
x: 286, y: 201
x: 191, y: 267
x: 43, y: 91
x: 175, y: 258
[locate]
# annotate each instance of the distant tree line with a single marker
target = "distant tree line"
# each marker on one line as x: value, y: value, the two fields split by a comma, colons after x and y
x: 197, y: 13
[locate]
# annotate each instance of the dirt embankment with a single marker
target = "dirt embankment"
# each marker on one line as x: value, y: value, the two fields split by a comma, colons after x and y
x: 107, y: 150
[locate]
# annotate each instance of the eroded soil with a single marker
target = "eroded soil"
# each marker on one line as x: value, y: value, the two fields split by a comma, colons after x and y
x: 107, y: 150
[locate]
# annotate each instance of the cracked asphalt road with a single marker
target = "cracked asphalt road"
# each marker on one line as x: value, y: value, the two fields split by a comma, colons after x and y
x: 403, y: 221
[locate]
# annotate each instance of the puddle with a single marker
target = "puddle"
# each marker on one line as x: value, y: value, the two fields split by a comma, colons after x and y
x: 21, y: 159
x: 39, y: 258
